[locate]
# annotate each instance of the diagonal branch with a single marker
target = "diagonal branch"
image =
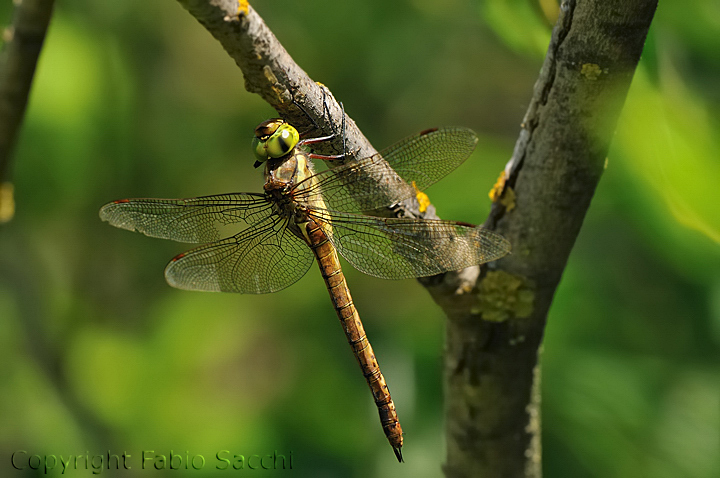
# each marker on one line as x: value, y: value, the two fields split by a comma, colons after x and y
x: 270, y: 72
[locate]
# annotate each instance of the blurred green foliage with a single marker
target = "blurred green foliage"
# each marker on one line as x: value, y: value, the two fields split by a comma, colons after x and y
x: 135, y: 98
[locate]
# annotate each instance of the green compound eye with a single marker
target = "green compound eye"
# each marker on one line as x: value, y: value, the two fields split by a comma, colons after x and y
x: 258, y: 148
x: 273, y: 139
x: 282, y: 141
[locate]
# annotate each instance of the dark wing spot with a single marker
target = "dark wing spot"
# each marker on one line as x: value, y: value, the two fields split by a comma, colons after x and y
x: 427, y: 131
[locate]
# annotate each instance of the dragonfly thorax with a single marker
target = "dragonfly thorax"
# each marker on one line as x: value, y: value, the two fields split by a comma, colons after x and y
x: 287, y: 172
x: 283, y: 178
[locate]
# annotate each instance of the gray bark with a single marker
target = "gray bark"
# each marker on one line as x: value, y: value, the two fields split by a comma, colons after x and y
x: 492, y: 376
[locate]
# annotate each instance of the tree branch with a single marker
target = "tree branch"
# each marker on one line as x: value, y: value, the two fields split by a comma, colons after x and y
x: 491, y: 363
x: 23, y: 43
x: 270, y: 72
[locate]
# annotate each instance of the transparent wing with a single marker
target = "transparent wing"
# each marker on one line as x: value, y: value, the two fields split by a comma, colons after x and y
x: 386, y: 178
x: 431, y: 155
x: 265, y: 257
x: 401, y: 248
x: 194, y: 220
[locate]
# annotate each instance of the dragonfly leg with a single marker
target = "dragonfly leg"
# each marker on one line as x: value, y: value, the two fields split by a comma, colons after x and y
x: 315, y: 126
x: 319, y: 139
x: 325, y: 157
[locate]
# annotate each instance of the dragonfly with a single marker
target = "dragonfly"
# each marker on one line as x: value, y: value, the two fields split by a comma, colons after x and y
x: 256, y: 243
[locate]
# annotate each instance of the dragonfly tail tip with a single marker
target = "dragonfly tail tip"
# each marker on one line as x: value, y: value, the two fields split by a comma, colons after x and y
x: 398, y: 454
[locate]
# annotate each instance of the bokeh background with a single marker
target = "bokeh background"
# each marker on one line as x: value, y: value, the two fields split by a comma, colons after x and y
x: 136, y: 99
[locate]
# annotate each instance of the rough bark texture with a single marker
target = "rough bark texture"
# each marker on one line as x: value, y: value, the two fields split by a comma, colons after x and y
x: 270, y: 72
x: 497, y: 315
x: 492, y: 377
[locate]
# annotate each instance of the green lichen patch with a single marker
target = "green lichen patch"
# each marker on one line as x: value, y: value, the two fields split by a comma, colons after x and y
x: 508, y: 199
x: 503, y: 296
x: 591, y: 71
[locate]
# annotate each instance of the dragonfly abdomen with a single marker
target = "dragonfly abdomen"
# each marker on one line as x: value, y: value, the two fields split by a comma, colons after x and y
x: 354, y: 331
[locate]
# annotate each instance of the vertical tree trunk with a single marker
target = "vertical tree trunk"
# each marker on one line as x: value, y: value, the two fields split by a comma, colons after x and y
x: 492, y: 378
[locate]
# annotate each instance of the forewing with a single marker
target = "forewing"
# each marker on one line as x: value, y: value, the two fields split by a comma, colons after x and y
x: 401, y: 248
x: 265, y: 257
x: 387, y: 177
x: 357, y: 186
x: 431, y: 155
x: 195, y: 220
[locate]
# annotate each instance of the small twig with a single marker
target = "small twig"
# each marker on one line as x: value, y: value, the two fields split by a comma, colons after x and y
x: 23, y: 43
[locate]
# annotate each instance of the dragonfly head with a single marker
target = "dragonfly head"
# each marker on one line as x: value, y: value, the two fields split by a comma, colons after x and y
x: 274, y: 138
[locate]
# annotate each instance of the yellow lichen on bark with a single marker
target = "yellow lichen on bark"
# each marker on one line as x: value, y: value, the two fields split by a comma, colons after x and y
x: 497, y: 189
x: 422, y: 198
x: 503, y: 194
x: 243, y: 7
x: 7, y: 202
